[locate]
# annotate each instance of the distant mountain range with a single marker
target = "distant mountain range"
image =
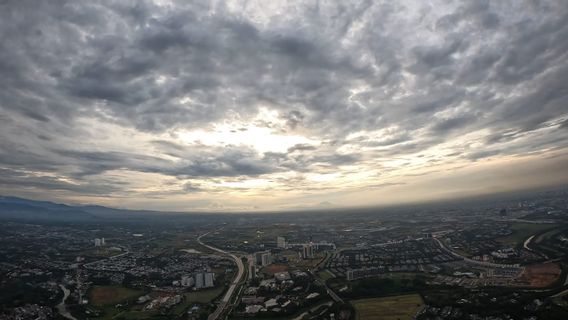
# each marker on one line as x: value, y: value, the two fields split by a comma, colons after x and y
x: 24, y: 209
x: 14, y: 208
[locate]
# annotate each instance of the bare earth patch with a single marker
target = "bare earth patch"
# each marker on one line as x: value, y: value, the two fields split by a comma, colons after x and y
x: 274, y: 268
x: 541, y: 275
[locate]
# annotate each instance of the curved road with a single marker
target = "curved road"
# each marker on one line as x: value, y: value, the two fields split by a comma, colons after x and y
x: 471, y: 261
x: 526, y: 243
x: 61, y: 307
x: 229, y: 294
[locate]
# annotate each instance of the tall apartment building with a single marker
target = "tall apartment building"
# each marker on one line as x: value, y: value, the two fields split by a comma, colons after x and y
x: 281, y: 242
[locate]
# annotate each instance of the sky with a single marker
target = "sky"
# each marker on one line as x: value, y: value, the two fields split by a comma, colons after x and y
x: 281, y: 105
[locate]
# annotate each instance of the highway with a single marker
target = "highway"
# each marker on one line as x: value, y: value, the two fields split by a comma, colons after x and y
x: 526, y: 243
x: 471, y: 261
x: 331, y: 293
x: 225, y: 302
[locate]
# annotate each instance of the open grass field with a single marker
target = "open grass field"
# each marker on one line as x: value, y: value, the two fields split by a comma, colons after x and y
x: 108, y: 295
x: 389, y: 308
x: 191, y: 298
x: 136, y: 315
x: 325, y: 275
x: 109, y: 312
x: 203, y: 296
x: 521, y: 231
x: 549, y: 234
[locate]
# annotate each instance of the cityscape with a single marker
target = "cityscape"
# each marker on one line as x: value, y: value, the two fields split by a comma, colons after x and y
x: 284, y: 159
x: 503, y: 258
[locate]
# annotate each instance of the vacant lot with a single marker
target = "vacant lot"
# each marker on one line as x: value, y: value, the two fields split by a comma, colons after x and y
x: 389, y: 308
x: 541, y: 275
x: 274, y: 268
x: 310, y: 263
x: 105, y: 295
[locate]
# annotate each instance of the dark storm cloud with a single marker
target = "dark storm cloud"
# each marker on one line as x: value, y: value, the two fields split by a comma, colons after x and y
x: 302, y: 147
x: 293, y: 118
x: 450, y: 124
x: 202, y: 161
x: 225, y: 165
x: 329, y: 70
x: 190, y: 187
x: 431, y: 58
x: 95, y: 162
x: 482, y: 154
x: 13, y: 179
x: 233, y: 161
x: 337, y: 159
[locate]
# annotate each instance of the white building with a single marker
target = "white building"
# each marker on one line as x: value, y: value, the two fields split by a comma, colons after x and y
x: 270, y: 303
x: 98, y: 242
x: 266, y: 259
x: 281, y: 242
x: 199, y: 281
x: 204, y: 280
x: 252, y: 271
x: 263, y: 258
x: 187, y: 281
x: 209, y: 277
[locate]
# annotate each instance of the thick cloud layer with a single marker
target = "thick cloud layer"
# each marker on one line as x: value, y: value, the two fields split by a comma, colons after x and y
x: 239, y: 103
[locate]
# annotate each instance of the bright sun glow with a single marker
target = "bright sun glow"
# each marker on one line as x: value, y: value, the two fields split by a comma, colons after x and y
x: 260, y: 138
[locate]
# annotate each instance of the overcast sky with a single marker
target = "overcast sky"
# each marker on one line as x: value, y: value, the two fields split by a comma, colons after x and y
x: 270, y: 105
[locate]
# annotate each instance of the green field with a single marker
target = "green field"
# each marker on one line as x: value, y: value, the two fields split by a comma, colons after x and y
x: 203, y: 297
x: 549, y: 234
x: 109, y: 295
x: 325, y: 275
x: 117, y: 294
x: 135, y: 315
x: 522, y: 231
x: 402, y: 307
